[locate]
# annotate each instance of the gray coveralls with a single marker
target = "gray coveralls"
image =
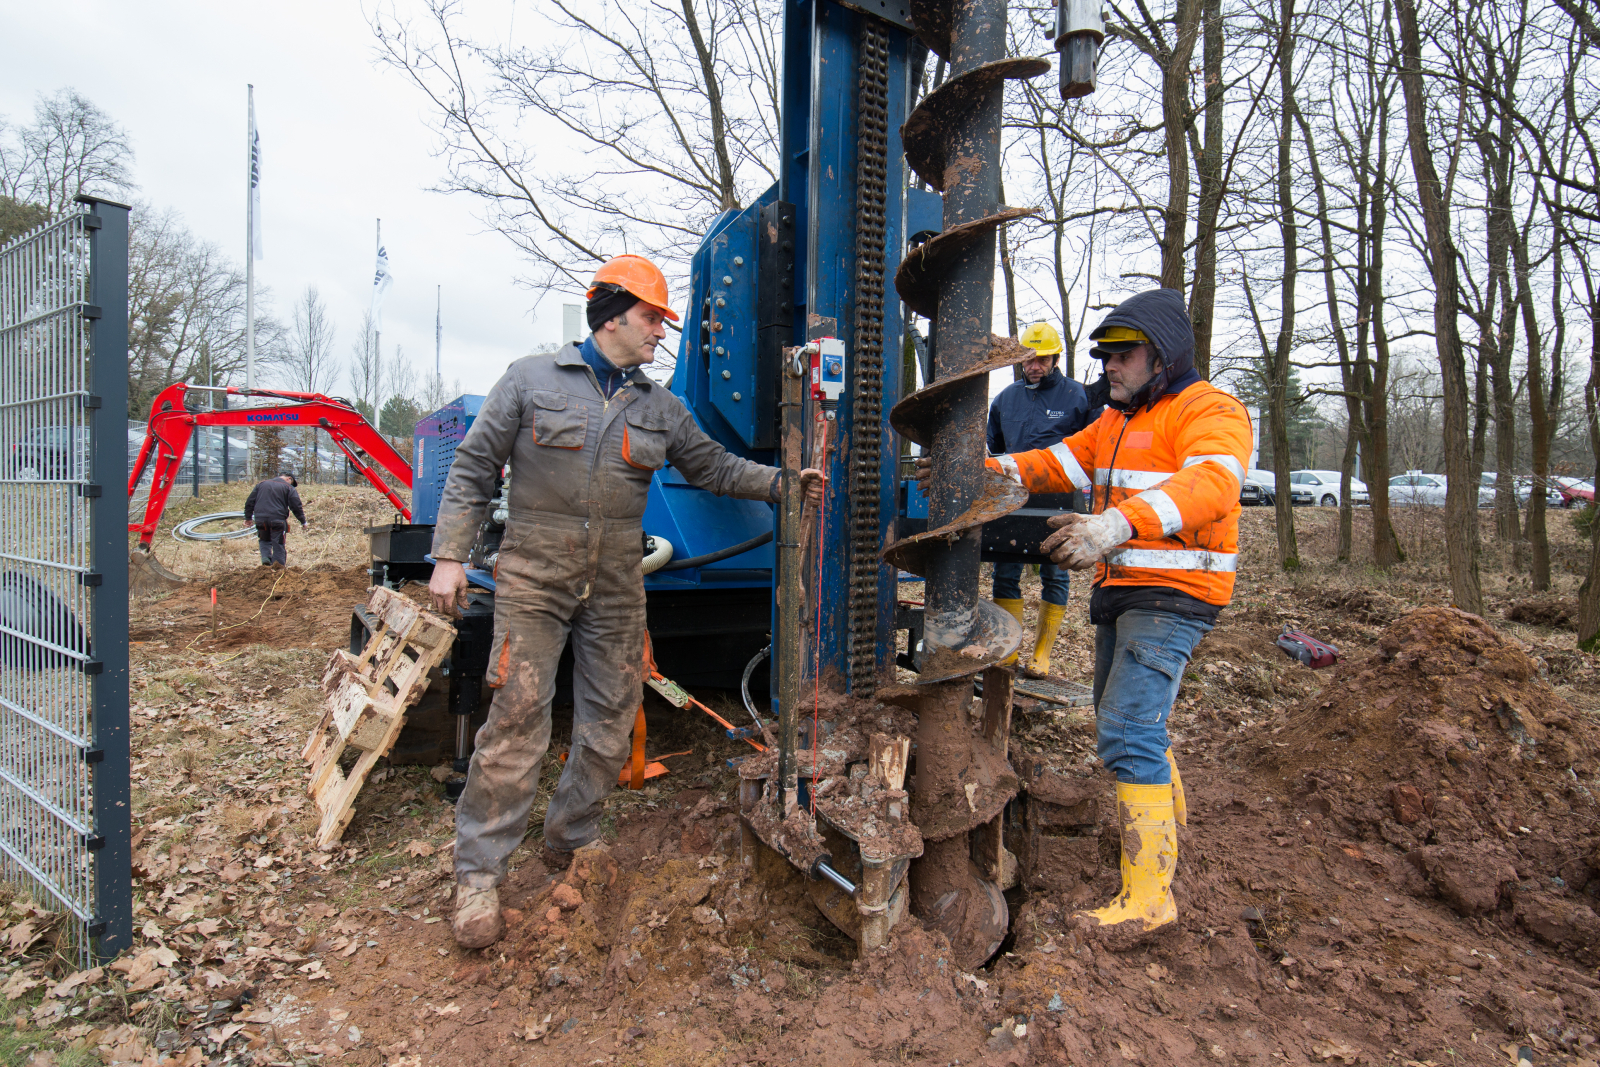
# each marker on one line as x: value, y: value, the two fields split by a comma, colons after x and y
x: 569, y: 564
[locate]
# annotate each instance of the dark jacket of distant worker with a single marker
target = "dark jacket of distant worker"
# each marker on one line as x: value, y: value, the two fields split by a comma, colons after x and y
x: 584, y: 430
x: 1165, y: 462
x: 1036, y: 412
x: 268, y: 507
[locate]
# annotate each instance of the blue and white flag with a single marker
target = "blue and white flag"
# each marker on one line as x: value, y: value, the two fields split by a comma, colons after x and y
x: 255, y: 182
x: 382, y: 281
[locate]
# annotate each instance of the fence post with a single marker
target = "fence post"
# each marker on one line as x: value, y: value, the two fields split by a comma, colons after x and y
x: 108, y: 376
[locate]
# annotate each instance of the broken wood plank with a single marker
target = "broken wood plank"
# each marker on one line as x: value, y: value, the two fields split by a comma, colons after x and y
x: 361, y: 712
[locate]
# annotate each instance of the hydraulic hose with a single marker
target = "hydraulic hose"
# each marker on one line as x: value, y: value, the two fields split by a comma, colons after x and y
x: 721, y: 554
x: 744, y: 683
x: 185, y: 531
x: 658, y: 552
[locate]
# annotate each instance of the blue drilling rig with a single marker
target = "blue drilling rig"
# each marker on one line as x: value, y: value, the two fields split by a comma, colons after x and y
x: 799, y: 349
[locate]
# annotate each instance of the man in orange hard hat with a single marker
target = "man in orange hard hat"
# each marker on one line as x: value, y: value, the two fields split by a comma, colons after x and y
x: 584, y: 430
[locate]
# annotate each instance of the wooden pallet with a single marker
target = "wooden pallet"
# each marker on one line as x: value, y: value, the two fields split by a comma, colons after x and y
x: 365, y: 703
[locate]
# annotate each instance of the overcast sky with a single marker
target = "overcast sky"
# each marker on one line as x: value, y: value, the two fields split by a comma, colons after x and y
x: 343, y: 140
x: 344, y: 143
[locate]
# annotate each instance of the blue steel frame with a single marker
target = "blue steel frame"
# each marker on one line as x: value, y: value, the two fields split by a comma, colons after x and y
x: 717, y: 375
x: 819, y: 178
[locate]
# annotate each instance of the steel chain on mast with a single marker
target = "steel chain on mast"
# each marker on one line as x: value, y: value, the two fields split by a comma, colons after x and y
x: 866, y: 437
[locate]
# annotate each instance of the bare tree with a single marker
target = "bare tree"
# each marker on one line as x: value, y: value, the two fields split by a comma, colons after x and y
x: 1170, y: 48
x: 365, y: 369
x: 309, y: 356
x: 186, y: 310
x: 1461, y: 501
x: 71, y: 147
x: 673, y: 105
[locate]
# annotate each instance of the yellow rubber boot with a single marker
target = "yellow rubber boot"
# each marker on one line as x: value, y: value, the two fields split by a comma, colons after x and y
x: 1015, y: 608
x: 1050, y: 616
x: 1180, y: 804
x: 1149, y: 857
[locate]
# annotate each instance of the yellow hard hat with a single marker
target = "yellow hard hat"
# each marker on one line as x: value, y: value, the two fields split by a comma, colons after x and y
x: 1042, y: 338
x: 1112, y: 340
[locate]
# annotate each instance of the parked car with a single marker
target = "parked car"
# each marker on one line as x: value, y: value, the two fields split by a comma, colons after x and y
x: 1265, y: 485
x: 1414, y: 488
x: 1524, y: 490
x: 1259, y: 488
x: 1575, y: 492
x: 1324, y: 486
x: 53, y: 453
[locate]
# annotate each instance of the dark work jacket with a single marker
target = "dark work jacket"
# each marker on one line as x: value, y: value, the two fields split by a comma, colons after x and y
x: 271, y: 501
x: 1025, y: 417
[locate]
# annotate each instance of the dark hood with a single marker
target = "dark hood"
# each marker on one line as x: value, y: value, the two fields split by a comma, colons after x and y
x: 1162, y: 316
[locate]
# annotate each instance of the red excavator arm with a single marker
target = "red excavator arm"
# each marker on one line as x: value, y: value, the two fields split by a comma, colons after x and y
x: 172, y: 424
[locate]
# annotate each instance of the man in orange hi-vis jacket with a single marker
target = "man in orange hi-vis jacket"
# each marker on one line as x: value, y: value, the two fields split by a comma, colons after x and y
x: 1165, y: 462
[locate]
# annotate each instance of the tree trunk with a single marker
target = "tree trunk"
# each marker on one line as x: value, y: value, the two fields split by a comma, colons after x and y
x: 1498, y: 342
x: 1008, y: 272
x: 1175, y: 124
x: 1538, y: 417
x: 727, y: 189
x: 1203, y: 295
x: 1352, y: 403
x: 1278, y: 384
x: 1589, y: 592
x: 1461, y: 497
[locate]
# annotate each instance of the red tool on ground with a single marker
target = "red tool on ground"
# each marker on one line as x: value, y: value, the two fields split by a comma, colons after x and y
x: 1297, y: 644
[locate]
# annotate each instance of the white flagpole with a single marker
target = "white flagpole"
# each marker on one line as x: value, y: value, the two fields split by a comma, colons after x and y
x: 377, y: 355
x: 250, y: 248
x: 438, y: 330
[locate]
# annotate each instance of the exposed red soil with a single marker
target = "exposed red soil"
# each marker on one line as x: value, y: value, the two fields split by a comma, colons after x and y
x: 260, y: 606
x: 1357, y: 882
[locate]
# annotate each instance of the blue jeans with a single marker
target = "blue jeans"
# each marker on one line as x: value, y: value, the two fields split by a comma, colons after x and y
x: 1008, y: 582
x: 1138, y: 666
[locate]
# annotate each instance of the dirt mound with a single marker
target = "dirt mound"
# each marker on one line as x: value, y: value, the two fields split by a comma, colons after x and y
x: 1447, y: 745
x: 291, y: 608
x: 1556, y: 612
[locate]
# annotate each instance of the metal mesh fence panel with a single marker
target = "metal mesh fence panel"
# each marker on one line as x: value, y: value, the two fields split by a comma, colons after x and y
x: 63, y: 580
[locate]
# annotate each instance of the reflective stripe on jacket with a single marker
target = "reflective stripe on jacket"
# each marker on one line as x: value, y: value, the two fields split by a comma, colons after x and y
x: 1173, y: 469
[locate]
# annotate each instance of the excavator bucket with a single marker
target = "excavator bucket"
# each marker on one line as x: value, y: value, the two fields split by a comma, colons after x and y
x: 147, y: 575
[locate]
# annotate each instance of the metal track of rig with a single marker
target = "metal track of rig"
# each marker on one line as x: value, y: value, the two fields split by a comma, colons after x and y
x: 872, y: 158
x: 963, y: 776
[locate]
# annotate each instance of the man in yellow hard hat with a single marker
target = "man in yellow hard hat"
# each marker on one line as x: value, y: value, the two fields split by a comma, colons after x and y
x: 1036, y: 412
x: 585, y: 431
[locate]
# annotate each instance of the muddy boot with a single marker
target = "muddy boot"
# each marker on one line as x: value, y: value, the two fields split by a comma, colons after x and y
x: 555, y: 860
x: 1015, y: 608
x: 477, y: 923
x: 1044, y: 639
x: 1149, y: 857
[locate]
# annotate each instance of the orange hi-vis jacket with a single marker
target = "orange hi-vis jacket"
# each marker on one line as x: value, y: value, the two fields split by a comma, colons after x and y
x: 1173, y: 468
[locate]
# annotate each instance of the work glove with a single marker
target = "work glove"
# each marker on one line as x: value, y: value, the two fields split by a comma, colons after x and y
x: 1080, y: 540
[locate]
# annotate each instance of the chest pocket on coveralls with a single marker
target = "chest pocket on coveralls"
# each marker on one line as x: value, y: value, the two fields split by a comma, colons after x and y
x: 555, y: 425
x: 644, y: 439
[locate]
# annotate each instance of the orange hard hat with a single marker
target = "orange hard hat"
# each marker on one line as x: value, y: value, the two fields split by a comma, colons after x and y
x: 636, y: 275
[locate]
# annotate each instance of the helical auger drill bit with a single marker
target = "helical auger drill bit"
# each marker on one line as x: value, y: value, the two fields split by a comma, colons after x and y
x: 963, y: 780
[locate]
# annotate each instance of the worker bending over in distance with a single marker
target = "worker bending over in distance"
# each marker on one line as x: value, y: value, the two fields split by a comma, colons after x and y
x: 267, y: 508
x: 1036, y: 412
x: 1165, y: 461
x: 585, y: 430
